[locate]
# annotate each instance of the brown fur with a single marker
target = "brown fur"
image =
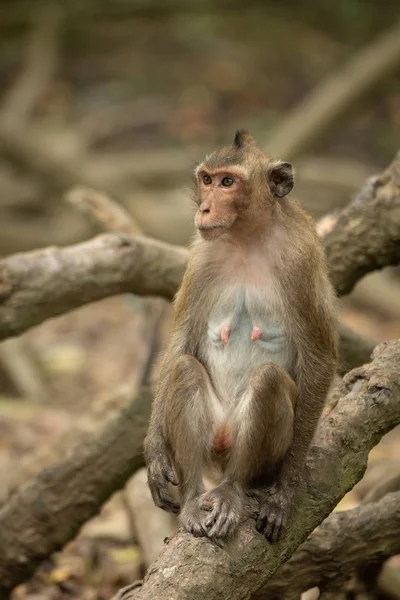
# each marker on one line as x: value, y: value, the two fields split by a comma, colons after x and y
x: 256, y: 238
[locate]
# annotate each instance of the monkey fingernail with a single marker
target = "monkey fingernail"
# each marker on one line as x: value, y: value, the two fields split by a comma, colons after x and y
x: 172, y: 478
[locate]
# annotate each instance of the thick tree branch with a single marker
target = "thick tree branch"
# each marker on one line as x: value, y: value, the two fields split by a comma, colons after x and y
x: 51, y: 508
x: 46, y: 283
x: 354, y: 350
x: 343, y: 543
x: 365, y: 234
x: 196, y: 568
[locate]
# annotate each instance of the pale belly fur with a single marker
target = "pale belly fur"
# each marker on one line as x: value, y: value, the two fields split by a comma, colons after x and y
x: 230, y: 364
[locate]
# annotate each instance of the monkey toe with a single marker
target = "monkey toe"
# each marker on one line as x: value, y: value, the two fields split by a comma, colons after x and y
x: 273, y: 528
x: 223, y: 526
x: 272, y: 519
x: 192, y: 518
x: 224, y: 507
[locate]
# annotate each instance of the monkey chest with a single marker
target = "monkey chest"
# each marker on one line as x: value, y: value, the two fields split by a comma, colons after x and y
x: 242, y: 333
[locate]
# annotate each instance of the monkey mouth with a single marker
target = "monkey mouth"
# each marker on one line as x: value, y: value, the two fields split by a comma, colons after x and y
x: 210, y: 228
x: 211, y: 232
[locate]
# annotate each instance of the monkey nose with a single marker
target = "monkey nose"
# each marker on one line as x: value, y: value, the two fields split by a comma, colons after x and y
x: 204, y: 208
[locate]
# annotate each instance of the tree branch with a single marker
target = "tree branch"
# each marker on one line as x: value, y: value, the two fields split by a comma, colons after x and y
x: 343, y: 543
x: 102, y: 211
x: 51, y: 508
x: 39, y: 285
x: 312, y: 117
x: 368, y: 229
x: 41, y: 58
x: 196, y: 568
x: 354, y: 350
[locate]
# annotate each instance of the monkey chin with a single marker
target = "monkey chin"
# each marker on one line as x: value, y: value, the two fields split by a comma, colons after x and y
x: 212, y: 233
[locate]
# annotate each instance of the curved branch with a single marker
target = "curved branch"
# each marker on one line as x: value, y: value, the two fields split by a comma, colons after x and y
x: 353, y: 350
x: 39, y: 285
x: 196, y: 568
x: 365, y: 234
x: 41, y: 57
x: 102, y: 211
x: 312, y: 117
x: 342, y: 544
x: 51, y: 508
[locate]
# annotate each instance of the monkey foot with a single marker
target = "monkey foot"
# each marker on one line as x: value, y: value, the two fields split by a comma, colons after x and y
x: 192, y: 518
x: 225, y: 331
x: 225, y: 506
x: 256, y: 334
x: 275, y: 510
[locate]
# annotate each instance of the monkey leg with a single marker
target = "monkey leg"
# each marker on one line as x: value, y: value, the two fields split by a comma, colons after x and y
x: 262, y: 434
x: 188, y: 429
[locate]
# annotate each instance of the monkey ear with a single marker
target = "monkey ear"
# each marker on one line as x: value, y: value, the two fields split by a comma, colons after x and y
x: 281, y: 178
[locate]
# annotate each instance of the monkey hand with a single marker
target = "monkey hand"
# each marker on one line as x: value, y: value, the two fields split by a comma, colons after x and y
x: 275, y: 508
x: 160, y: 472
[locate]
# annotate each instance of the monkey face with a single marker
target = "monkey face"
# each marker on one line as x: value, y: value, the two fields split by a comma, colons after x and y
x: 221, y: 194
x: 237, y: 187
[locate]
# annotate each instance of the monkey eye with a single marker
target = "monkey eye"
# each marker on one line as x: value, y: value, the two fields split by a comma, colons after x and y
x: 207, y: 180
x: 227, y: 181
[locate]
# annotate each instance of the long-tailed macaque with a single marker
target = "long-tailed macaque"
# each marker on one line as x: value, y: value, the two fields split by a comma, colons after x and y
x: 252, y: 353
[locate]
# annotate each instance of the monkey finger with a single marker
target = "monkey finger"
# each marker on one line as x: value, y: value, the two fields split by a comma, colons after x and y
x: 171, y: 476
x: 163, y: 500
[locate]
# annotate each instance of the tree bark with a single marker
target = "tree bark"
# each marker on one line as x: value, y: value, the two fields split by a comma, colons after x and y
x: 335, y: 551
x: 35, y: 286
x: 48, y: 511
x: 365, y: 234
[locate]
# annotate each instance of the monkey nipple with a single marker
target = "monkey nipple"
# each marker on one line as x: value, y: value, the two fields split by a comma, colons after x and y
x: 256, y: 334
x: 225, y: 330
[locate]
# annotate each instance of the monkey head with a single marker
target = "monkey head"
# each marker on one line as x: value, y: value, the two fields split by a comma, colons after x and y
x: 236, y: 188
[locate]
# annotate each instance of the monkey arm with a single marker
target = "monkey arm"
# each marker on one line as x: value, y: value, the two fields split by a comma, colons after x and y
x: 159, y: 463
x: 160, y: 467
